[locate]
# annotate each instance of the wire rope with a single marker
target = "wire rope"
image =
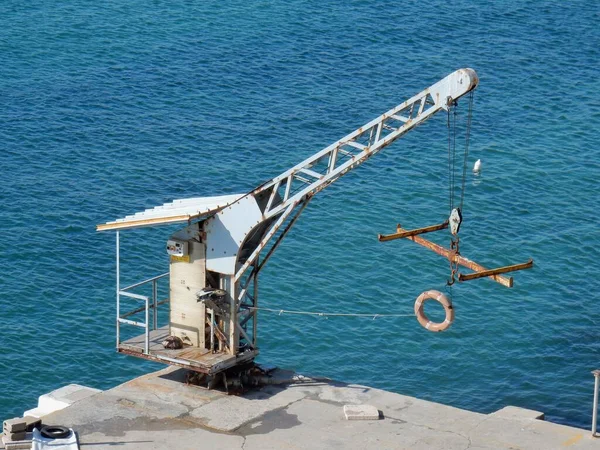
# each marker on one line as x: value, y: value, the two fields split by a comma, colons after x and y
x: 328, y: 314
x: 466, y: 154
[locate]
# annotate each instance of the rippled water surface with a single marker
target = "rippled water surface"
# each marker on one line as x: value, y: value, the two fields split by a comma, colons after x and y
x: 112, y: 107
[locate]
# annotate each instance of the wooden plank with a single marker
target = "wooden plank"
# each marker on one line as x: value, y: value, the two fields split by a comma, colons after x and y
x: 156, y: 338
x: 192, y: 353
x: 208, y: 363
x: 142, y: 222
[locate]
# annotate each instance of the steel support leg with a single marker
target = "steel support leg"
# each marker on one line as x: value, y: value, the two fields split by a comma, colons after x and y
x: 596, y: 374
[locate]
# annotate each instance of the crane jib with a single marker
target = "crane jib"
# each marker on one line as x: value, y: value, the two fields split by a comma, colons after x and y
x: 280, y: 197
x: 354, y: 148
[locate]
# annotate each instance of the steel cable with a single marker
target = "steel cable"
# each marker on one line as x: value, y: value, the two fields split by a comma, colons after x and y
x: 327, y: 314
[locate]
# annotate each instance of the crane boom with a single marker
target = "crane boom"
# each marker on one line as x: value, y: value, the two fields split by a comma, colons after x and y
x: 266, y: 209
x: 358, y: 146
x: 296, y: 186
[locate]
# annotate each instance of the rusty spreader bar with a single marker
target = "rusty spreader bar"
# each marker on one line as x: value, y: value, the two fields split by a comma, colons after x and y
x: 454, y: 257
x: 408, y: 233
x: 499, y: 270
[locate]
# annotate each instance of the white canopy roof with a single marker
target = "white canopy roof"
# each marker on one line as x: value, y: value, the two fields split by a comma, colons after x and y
x: 182, y: 210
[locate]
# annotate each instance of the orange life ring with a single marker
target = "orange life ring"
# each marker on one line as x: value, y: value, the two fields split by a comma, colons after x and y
x: 422, y: 318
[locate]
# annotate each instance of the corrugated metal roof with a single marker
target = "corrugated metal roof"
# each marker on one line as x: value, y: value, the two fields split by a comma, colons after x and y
x: 182, y: 210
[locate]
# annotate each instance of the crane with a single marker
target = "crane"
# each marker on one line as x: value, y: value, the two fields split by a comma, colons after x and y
x: 216, y: 258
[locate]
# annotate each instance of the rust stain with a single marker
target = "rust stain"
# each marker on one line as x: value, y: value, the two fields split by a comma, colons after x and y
x: 573, y: 440
x: 192, y: 353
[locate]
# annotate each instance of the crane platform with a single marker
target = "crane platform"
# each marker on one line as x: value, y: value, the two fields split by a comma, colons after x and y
x: 192, y: 358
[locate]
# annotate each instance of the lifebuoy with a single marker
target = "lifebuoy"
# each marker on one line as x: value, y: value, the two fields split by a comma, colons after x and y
x: 422, y: 318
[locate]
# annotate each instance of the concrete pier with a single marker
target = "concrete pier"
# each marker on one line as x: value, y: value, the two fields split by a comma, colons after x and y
x: 159, y: 411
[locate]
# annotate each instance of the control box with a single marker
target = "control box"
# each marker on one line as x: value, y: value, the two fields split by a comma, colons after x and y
x: 177, y: 248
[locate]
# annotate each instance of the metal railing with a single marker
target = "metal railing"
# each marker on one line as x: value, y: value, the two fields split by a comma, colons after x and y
x: 150, y: 303
x: 596, y: 374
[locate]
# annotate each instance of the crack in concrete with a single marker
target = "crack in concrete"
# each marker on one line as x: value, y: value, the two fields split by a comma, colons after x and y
x: 315, y: 397
x: 157, y: 397
x: 470, y: 431
x: 469, y: 444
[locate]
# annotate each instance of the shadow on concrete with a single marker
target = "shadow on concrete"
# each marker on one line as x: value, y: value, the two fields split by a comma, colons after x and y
x: 279, y: 379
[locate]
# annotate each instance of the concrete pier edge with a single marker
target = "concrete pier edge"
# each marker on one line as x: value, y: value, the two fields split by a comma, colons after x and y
x: 160, y: 411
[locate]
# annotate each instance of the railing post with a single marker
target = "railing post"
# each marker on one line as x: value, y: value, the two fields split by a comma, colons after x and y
x: 155, y: 303
x: 596, y: 374
x: 255, y: 312
x: 212, y: 331
x: 118, y: 289
x: 147, y: 325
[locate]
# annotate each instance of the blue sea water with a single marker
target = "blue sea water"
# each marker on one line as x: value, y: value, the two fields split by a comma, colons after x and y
x: 112, y: 107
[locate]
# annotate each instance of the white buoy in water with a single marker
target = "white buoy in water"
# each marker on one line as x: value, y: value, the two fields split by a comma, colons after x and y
x: 477, y: 166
